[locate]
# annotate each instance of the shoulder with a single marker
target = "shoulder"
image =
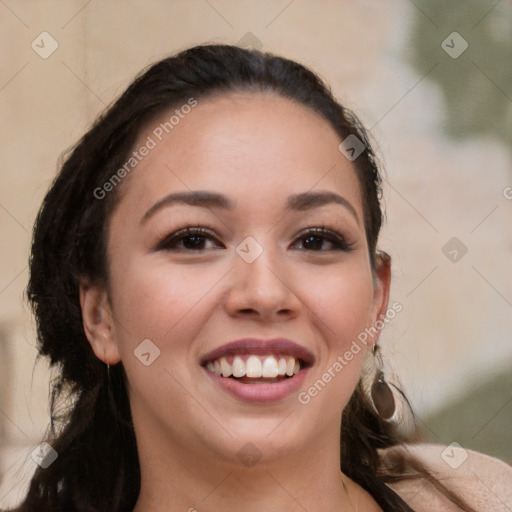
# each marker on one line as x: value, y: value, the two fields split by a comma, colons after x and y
x: 484, y: 482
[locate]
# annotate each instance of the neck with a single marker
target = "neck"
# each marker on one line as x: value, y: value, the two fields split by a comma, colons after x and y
x: 185, y: 478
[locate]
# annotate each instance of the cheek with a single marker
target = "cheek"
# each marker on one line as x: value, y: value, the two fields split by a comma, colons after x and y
x: 341, y: 301
x: 150, y: 299
x: 166, y: 304
x: 340, y: 308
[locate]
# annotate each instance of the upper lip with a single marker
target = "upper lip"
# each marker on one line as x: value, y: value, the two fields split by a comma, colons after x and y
x: 261, y: 347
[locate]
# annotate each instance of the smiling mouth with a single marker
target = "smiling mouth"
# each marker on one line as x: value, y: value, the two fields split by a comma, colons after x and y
x: 256, y: 369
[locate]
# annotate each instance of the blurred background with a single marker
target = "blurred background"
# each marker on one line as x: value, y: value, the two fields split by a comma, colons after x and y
x: 433, y: 82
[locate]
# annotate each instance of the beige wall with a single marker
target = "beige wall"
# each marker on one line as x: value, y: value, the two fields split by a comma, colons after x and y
x: 455, y: 327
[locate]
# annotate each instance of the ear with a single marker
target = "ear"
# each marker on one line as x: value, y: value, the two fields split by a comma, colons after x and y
x: 381, y: 286
x: 98, y: 322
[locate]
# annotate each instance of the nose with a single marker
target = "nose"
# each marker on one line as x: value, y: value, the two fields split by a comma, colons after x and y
x: 262, y: 289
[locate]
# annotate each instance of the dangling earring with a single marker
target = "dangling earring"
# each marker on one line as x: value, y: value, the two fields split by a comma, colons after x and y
x: 109, y: 380
x: 380, y: 392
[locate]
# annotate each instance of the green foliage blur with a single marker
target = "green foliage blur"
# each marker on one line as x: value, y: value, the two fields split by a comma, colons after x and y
x: 477, y: 85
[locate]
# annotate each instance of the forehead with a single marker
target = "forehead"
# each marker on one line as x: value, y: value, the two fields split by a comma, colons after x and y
x: 255, y: 146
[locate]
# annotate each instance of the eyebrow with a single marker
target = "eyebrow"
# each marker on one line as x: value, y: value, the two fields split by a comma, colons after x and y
x: 199, y: 198
x: 206, y: 199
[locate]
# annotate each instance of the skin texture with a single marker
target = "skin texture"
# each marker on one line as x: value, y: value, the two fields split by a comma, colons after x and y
x: 257, y: 150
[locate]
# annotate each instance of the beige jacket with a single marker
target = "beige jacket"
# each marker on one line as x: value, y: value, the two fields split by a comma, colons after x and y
x: 484, y: 482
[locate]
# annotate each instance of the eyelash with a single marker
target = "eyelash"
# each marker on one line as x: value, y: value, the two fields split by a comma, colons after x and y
x: 170, y: 241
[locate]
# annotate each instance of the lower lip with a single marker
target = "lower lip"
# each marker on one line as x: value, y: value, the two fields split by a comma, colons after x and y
x: 259, y: 393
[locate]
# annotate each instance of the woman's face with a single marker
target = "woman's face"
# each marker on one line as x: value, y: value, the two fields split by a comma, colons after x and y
x: 260, y: 269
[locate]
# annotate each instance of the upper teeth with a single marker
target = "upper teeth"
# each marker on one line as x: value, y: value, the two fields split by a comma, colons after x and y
x: 255, y: 366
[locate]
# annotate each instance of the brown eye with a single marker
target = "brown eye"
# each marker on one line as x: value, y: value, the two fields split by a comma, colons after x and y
x: 322, y: 240
x: 187, y: 239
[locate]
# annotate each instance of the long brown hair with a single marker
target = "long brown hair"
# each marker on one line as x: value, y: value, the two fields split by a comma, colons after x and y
x: 97, y: 469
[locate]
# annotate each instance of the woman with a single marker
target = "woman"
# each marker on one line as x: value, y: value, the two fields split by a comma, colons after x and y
x: 205, y: 274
